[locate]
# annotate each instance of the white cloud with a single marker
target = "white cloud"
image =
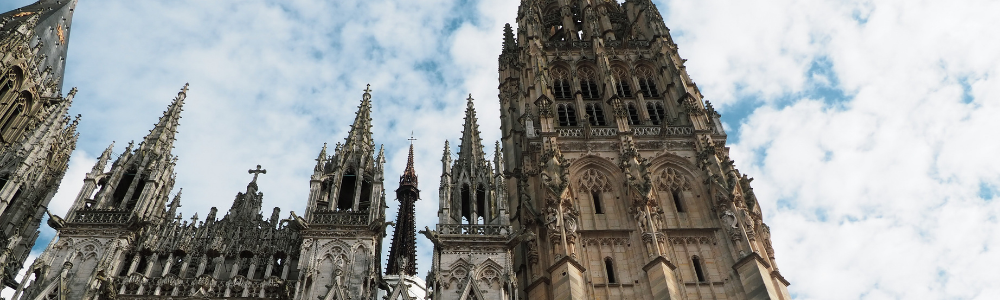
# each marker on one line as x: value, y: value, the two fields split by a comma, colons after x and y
x: 876, y: 194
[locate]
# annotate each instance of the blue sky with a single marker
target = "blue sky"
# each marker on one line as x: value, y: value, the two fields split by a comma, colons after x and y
x: 867, y: 125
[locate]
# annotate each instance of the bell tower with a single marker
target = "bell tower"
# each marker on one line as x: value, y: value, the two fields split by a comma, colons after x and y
x: 344, y: 222
x: 472, y: 259
x: 620, y: 182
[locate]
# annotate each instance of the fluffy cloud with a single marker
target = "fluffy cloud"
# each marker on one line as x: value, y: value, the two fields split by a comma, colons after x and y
x: 867, y: 130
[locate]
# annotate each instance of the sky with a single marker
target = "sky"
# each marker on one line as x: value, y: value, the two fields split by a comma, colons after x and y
x: 865, y: 124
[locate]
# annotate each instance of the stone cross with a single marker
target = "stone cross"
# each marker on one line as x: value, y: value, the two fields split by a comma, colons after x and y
x: 256, y: 172
x: 411, y: 139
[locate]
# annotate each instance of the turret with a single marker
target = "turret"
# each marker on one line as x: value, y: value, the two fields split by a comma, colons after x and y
x: 139, y: 182
x: 472, y: 190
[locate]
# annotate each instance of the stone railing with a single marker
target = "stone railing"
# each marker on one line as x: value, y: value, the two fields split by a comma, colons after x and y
x: 101, y: 216
x: 604, y: 131
x: 473, y: 229
x: 236, y: 287
x: 646, y: 131
x: 570, y: 132
x: 340, y: 218
x: 569, y: 45
x: 679, y: 130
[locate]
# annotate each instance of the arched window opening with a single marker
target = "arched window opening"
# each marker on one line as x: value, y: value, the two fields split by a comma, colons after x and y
x: 678, y: 202
x: 623, y: 84
x: 126, y: 264
x: 609, y: 266
x: 10, y: 117
x: 366, y: 195
x: 245, y: 258
x: 122, y: 187
x: 595, y: 114
x: 8, y: 216
x: 139, y: 186
x: 278, y: 264
x: 698, y: 272
x: 324, y: 195
x: 560, y: 84
x: 655, y: 110
x: 647, y: 83
x: 633, y: 115
x: 175, y: 265
x: 143, y: 262
x: 481, y: 202
x: 210, y: 263
x: 596, y: 195
x: 466, y: 204
x: 345, y: 200
x: 588, y: 83
x: 567, y: 114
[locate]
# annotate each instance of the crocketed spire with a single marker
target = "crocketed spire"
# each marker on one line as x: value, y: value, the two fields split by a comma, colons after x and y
x: 403, y: 250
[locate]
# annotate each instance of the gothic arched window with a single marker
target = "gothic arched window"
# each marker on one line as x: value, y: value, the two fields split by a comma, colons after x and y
x: 560, y: 84
x: 588, y: 83
x: 467, y: 204
x: 647, y: 82
x: 122, y: 189
x: 596, y: 196
x: 698, y: 272
x: 595, y: 114
x: 633, y: 114
x: 609, y: 267
x: 678, y: 202
x: 623, y: 84
x: 345, y: 199
x: 567, y: 114
x: 655, y: 110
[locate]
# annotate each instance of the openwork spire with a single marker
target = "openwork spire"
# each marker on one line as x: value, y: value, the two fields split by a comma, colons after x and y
x: 161, y: 139
x: 470, y: 151
x: 360, y: 137
x: 403, y: 251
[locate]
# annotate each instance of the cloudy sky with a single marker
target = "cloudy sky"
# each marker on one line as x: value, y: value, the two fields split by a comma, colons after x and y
x: 869, y: 126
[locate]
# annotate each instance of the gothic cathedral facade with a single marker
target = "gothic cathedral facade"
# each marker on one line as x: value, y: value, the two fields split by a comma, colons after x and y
x: 612, y: 180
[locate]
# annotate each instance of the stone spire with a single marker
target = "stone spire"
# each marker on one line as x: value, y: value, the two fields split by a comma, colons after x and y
x: 360, y: 137
x: 161, y: 139
x: 102, y: 161
x: 470, y: 151
x: 174, y: 204
x: 403, y: 250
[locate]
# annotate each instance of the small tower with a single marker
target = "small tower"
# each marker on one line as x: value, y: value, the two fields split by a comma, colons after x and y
x: 471, y: 256
x: 345, y: 218
x: 36, y: 133
x: 401, y: 266
x: 110, y: 211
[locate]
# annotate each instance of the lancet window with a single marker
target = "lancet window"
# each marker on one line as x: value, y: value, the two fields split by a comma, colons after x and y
x: 588, y: 83
x: 647, y: 82
x: 595, y: 114
x: 655, y: 110
x: 609, y: 267
x: 466, y: 198
x: 560, y: 84
x: 623, y: 84
x: 345, y: 199
x: 633, y: 114
x: 698, y: 272
x: 567, y: 114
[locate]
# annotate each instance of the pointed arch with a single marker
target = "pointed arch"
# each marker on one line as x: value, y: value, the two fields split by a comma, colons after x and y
x: 560, y: 83
x: 647, y: 81
x: 588, y: 82
x: 623, y: 81
x: 345, y: 199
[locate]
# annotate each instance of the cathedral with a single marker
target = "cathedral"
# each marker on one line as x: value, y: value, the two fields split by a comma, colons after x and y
x: 612, y: 180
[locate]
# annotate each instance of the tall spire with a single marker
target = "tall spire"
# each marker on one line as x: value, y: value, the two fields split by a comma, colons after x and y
x: 403, y: 250
x: 103, y: 160
x: 161, y: 139
x: 471, y: 148
x: 49, y: 22
x: 360, y: 136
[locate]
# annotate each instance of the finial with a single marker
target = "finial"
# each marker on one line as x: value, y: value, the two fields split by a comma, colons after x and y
x: 368, y: 91
x: 411, y: 139
x: 184, y: 89
x: 256, y: 172
x: 470, y: 97
x: 72, y: 92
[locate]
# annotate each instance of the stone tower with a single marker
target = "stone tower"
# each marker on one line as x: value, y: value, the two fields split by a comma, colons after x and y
x: 401, y: 266
x: 36, y: 134
x: 620, y: 182
x: 345, y: 218
x: 108, y: 218
x: 472, y: 259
